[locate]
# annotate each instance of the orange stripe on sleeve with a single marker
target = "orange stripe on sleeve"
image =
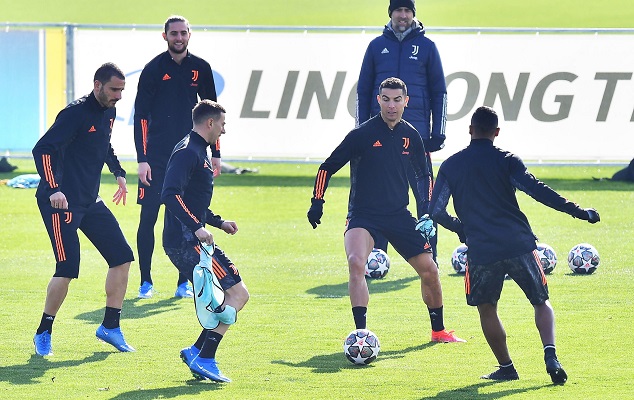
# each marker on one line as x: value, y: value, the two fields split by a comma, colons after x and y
x: 180, y: 201
x: 320, y: 184
x: 48, y: 170
x: 144, y: 130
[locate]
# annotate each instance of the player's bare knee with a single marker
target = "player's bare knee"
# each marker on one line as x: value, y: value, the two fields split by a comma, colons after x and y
x: 356, y: 264
x: 238, y: 296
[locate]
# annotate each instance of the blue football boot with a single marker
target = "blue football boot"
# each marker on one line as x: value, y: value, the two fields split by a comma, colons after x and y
x: 114, y: 337
x: 206, y: 368
x: 42, y: 344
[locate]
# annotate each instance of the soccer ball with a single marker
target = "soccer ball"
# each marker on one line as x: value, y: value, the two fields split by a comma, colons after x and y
x: 459, y: 259
x: 583, y: 259
x: 547, y: 257
x: 361, y: 347
x: 378, y: 264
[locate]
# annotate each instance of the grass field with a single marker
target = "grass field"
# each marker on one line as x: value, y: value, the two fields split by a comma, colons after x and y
x: 287, y: 342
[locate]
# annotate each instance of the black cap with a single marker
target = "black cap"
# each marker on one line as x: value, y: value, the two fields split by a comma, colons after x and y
x: 394, y: 4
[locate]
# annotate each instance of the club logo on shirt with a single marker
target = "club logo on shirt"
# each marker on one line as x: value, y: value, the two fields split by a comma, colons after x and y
x: 111, y: 123
x: 405, y: 145
x: 68, y: 217
x: 414, y: 52
x: 194, y: 78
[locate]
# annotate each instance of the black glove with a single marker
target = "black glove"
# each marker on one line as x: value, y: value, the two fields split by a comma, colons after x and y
x: 588, y: 214
x: 434, y: 143
x: 315, y: 212
x: 593, y: 215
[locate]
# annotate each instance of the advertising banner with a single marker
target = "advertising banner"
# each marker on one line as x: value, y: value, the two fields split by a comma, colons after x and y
x: 292, y: 95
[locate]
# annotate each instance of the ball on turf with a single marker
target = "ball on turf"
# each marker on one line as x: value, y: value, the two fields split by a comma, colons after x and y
x: 547, y: 257
x: 583, y: 259
x: 361, y: 347
x: 378, y: 264
x: 459, y: 259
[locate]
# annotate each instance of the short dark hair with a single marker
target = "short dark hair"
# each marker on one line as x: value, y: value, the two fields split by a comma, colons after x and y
x: 206, y: 109
x: 176, y: 18
x: 484, y: 120
x: 393, y: 83
x: 107, y: 71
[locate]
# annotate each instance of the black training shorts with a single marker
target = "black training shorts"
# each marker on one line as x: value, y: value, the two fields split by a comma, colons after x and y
x: 483, y: 283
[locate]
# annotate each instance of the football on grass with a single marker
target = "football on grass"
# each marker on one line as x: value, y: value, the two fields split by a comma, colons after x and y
x: 583, y: 259
x: 361, y: 347
x: 378, y: 264
x: 547, y: 257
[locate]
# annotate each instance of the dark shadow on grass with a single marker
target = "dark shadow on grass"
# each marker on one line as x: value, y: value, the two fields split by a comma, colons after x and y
x: 36, y: 366
x: 193, y: 387
x: 374, y: 285
x: 335, y: 362
x: 473, y: 391
x: 136, y: 309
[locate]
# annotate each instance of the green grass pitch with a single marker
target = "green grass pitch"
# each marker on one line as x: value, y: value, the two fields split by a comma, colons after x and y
x: 287, y: 343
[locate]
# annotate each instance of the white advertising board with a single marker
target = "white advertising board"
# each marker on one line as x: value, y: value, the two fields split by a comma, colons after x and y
x: 291, y: 95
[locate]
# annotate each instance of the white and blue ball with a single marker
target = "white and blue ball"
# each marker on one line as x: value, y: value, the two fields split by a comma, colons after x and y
x: 361, y: 347
x: 583, y: 259
x: 547, y: 257
x: 459, y: 259
x: 378, y: 264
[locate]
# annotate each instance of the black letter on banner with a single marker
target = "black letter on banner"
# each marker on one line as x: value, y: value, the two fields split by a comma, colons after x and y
x: 497, y: 87
x: 565, y: 102
x: 315, y: 85
x: 249, y: 98
x: 473, y: 89
x: 611, y: 79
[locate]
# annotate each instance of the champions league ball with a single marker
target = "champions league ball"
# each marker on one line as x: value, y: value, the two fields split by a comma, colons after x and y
x: 583, y: 259
x: 361, y: 347
x: 459, y: 259
x: 547, y: 257
x: 378, y: 264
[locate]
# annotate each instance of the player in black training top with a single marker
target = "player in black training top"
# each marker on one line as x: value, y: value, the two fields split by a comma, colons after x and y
x: 380, y: 151
x: 482, y: 180
x: 69, y: 159
x: 187, y: 192
x: 169, y: 87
